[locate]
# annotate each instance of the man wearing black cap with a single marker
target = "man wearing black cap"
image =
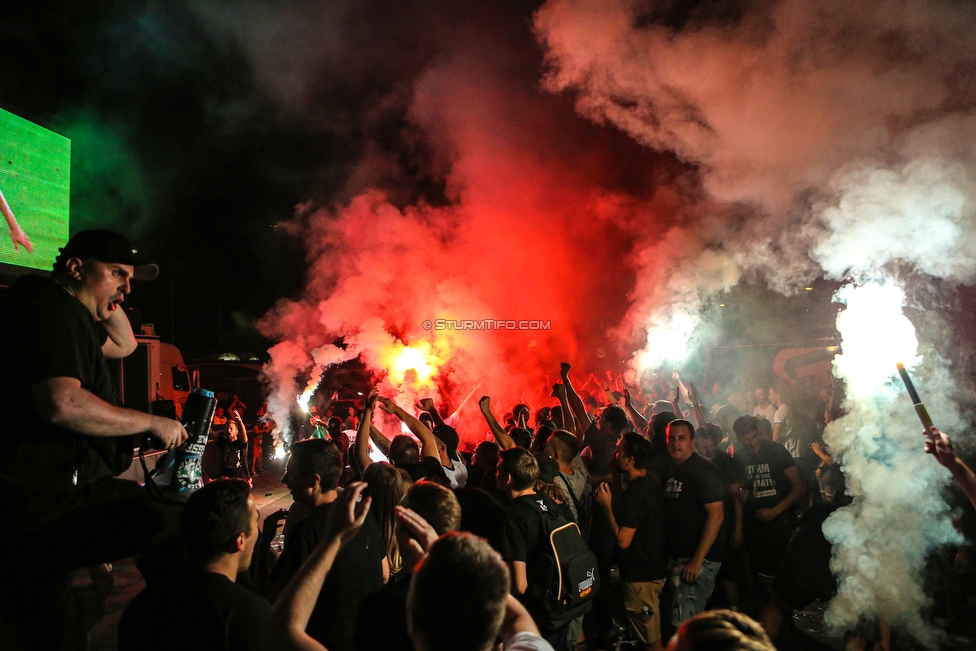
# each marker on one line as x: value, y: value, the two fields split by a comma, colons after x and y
x: 64, y: 439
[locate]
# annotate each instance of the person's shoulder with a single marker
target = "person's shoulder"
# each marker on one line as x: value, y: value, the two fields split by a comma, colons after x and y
x: 775, y: 451
x: 526, y: 641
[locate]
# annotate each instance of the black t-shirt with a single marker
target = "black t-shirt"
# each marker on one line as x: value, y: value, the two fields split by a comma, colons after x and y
x: 382, y: 620
x: 765, y: 476
x: 642, y: 508
x: 45, y: 333
x: 199, y: 610
x: 233, y: 453
x: 522, y: 527
x: 356, y: 572
x: 602, y: 446
x: 688, y: 487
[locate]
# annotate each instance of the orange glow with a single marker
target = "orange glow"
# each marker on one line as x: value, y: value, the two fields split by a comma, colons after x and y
x: 412, y: 364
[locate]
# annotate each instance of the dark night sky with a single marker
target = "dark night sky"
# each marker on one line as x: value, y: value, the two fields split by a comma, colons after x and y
x: 179, y: 145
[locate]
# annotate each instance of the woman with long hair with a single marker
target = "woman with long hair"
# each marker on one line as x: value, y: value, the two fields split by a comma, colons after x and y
x: 386, y: 488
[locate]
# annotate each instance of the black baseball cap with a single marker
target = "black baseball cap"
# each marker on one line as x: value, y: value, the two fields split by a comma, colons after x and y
x: 449, y: 436
x: 106, y: 246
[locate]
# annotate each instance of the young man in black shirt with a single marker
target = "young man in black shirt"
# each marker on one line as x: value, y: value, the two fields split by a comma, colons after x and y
x: 312, y: 475
x: 638, y: 523
x: 693, y: 494
x: 773, y: 488
x: 203, y: 607
x: 523, y: 534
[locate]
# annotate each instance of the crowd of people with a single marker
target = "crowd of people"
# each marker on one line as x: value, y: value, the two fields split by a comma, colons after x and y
x: 607, y: 516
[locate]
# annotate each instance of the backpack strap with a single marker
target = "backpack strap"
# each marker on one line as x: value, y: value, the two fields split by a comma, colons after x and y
x: 571, y: 494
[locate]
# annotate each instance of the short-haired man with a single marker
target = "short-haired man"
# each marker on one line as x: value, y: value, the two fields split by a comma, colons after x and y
x: 573, y: 478
x: 638, y: 523
x: 693, y: 522
x: 523, y: 534
x: 602, y: 437
x: 65, y: 438
x: 204, y: 607
x: 774, y: 488
x: 312, y: 476
x: 764, y: 408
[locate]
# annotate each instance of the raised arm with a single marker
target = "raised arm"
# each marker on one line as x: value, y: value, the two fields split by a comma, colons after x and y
x: 696, y: 405
x: 675, y: 402
x: 362, y: 435
x: 293, y: 608
x: 380, y: 440
x: 575, y: 402
x: 428, y: 445
x: 236, y: 415
x: 639, y: 421
x: 502, y: 438
x: 427, y: 404
x: 939, y: 445
x: 569, y: 422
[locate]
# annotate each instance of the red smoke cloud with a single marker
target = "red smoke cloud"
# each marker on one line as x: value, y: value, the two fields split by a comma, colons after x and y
x: 541, y: 219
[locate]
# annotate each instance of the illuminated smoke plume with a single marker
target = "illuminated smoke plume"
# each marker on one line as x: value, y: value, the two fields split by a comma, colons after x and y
x: 538, y: 213
x: 833, y: 138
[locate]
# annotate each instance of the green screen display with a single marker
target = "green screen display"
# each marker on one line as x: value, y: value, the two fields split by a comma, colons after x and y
x: 34, y: 192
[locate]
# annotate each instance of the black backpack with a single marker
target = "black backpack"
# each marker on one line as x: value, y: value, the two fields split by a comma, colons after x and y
x: 584, y: 506
x: 562, y: 571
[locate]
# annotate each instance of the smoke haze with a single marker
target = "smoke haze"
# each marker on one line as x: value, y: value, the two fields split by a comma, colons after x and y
x: 833, y: 139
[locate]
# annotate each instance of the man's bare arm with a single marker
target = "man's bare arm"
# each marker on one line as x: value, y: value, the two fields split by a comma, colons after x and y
x: 579, y: 410
x: 569, y: 422
x: 639, y: 421
x: 939, y: 445
x: 362, y: 435
x: 121, y: 341
x: 504, y: 441
x: 428, y: 445
x: 61, y: 401
x: 427, y: 405
x: 380, y: 440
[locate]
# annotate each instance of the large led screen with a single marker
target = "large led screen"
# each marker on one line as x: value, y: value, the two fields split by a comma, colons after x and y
x: 34, y: 192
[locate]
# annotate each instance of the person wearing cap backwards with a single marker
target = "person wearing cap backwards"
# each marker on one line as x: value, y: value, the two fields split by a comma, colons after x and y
x: 63, y: 439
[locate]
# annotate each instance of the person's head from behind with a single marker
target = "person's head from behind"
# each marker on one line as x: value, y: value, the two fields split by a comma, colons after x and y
x: 457, y: 596
x: 403, y: 451
x: 334, y: 426
x: 658, y: 426
x: 522, y: 437
x: 613, y: 420
x: 313, y: 469
x: 720, y: 630
x: 661, y: 407
x: 681, y: 439
x: 218, y: 520
x: 520, y: 413
x: 486, y: 454
x: 517, y: 470
x: 563, y: 447
x: 436, y: 504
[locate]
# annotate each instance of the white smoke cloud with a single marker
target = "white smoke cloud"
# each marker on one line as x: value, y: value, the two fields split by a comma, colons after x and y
x: 833, y: 139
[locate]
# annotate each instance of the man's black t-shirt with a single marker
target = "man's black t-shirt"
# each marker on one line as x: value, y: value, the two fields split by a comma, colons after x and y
x: 382, y: 620
x: 199, y: 610
x: 642, y: 508
x: 688, y: 487
x: 356, y: 572
x: 232, y: 454
x: 521, y: 527
x: 45, y: 333
x: 602, y: 446
x: 765, y: 475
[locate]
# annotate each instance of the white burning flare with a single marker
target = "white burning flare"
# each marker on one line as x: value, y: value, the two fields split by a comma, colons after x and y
x: 898, y: 516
